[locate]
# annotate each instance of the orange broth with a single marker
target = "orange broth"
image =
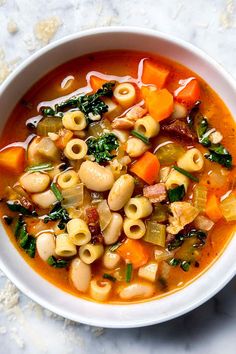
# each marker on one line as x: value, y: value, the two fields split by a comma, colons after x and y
x: 118, y: 64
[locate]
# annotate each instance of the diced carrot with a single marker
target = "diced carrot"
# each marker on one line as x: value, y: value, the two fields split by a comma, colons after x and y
x: 159, y: 103
x: 12, y: 159
x: 133, y: 252
x: 190, y: 94
x: 65, y: 136
x: 146, y: 167
x: 96, y: 82
x: 154, y: 74
x: 213, y: 210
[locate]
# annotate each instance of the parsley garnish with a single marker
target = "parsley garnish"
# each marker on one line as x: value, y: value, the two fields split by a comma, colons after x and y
x: 102, y: 147
x: 176, y: 194
x: 58, y: 213
x: 56, y: 263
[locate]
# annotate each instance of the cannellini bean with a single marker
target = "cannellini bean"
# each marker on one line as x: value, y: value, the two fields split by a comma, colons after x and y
x: 122, y: 123
x: 136, y: 147
x: 136, y: 290
x: 96, y: 177
x: 45, y: 199
x: 111, y: 259
x: 113, y: 230
x: 80, y: 274
x: 45, y: 244
x: 121, y: 192
x: 35, y: 182
x: 122, y: 135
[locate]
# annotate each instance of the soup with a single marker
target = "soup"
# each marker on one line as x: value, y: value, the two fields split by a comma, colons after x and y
x: 118, y: 178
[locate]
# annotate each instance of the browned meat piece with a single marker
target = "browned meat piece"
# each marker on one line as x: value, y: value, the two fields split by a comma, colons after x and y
x: 156, y: 193
x: 92, y: 215
x: 178, y: 129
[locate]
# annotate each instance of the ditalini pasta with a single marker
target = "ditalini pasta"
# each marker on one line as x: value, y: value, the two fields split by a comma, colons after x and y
x: 125, y: 192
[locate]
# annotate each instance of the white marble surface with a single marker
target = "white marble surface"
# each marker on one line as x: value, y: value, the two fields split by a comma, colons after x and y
x: 26, y: 327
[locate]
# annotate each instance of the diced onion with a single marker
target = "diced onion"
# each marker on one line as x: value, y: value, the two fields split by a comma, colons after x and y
x: 104, y: 214
x: 73, y: 197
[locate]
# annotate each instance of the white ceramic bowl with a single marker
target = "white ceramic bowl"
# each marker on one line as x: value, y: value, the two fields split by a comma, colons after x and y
x: 25, y: 278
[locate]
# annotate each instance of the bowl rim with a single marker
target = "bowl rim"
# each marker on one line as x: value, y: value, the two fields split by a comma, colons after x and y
x: 229, y: 274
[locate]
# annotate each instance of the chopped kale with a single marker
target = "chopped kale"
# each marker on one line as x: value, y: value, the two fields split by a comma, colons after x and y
x: 57, y: 263
x: 174, y: 262
x: 217, y: 152
x: 19, y: 224
x: 102, y: 147
x: 176, y: 194
x: 109, y: 277
x: 88, y: 104
x: 180, y: 237
x: 27, y: 242
x: 15, y: 205
x: 185, y: 266
x: 58, y: 213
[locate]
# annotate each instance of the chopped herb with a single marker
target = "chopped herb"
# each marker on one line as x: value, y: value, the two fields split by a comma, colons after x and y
x: 57, y: 263
x: 109, y: 277
x: 86, y: 103
x: 140, y: 136
x: 176, y: 194
x: 174, y: 262
x: 179, y: 239
x: 58, y: 213
x: 8, y: 219
x: 128, y: 274
x: 102, y: 147
x: 56, y: 192
x: 40, y: 167
x: 19, y: 224
x: 115, y: 246
x: 15, y: 205
x: 185, y: 265
x: 217, y: 152
x: 186, y: 173
x: 27, y: 242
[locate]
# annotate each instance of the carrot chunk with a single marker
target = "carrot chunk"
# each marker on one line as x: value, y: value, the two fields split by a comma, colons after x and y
x: 64, y: 138
x: 12, y: 159
x: 213, y: 210
x: 190, y: 94
x: 154, y: 74
x: 96, y: 82
x: 134, y: 252
x: 146, y: 167
x: 159, y: 103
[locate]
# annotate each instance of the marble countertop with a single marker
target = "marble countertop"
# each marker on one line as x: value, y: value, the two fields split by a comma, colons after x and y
x: 25, y: 327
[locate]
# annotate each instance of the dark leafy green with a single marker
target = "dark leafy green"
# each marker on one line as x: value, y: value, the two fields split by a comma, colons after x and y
x: 18, y: 226
x: 15, y: 205
x: 109, y: 277
x: 176, y: 194
x: 85, y: 103
x: 27, y: 242
x: 186, y: 173
x: 185, y: 266
x: 180, y: 237
x: 102, y: 147
x: 58, y: 213
x: 217, y: 152
x: 57, y: 263
x: 174, y: 262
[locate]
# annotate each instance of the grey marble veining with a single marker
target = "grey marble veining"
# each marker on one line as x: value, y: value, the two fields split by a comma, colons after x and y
x: 27, y: 328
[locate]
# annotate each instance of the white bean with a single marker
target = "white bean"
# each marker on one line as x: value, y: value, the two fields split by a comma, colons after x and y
x: 121, y: 192
x: 35, y: 182
x: 96, y: 177
x: 113, y: 230
x: 111, y: 259
x: 136, y: 290
x: 45, y: 199
x: 45, y: 244
x: 80, y: 274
